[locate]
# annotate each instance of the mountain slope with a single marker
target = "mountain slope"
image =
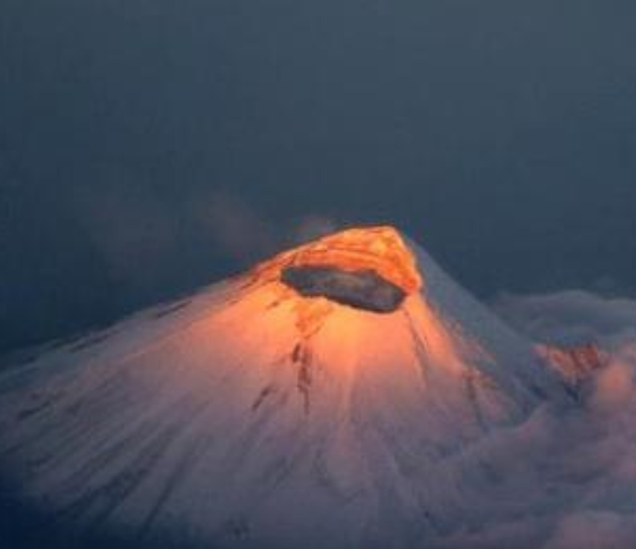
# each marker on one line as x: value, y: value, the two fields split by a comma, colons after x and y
x: 328, y: 394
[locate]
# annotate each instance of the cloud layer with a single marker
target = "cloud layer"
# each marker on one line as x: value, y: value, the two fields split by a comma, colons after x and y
x: 565, y: 479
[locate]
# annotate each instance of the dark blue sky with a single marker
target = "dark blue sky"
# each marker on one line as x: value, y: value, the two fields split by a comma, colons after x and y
x: 150, y: 146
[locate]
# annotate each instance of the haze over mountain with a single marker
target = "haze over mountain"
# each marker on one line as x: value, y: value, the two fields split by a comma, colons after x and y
x: 151, y: 137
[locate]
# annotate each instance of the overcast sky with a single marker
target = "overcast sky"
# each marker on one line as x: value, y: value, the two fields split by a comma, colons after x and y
x: 148, y: 147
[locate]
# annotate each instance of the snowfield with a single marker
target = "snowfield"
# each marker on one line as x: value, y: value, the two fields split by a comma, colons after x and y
x: 253, y: 416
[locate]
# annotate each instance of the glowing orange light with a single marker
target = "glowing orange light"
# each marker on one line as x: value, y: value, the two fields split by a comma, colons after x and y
x: 379, y: 249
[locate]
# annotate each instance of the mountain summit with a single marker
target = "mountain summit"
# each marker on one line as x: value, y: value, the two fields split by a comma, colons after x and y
x: 323, y: 398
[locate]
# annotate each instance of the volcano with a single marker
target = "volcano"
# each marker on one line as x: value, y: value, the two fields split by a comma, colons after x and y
x: 323, y: 398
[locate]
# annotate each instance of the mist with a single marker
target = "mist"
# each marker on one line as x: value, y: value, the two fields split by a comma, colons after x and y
x: 148, y: 148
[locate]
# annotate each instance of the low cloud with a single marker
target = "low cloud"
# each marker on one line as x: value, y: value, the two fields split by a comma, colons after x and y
x: 566, y: 477
x: 570, y: 317
x: 593, y: 529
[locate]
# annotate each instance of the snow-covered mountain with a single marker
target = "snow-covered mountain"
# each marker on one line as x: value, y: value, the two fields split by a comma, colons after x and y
x: 329, y: 394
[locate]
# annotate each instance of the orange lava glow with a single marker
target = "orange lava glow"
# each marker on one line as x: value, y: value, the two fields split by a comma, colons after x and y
x: 379, y: 249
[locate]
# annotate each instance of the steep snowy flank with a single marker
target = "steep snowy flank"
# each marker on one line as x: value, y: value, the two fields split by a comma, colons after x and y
x: 271, y: 409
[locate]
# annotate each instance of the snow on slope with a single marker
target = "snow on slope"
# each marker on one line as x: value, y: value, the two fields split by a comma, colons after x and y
x: 253, y: 416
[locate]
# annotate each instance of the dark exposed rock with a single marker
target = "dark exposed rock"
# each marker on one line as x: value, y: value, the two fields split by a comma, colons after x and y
x: 363, y: 289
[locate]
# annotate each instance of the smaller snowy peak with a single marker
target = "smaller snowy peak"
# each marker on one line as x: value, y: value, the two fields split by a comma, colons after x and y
x: 575, y: 364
